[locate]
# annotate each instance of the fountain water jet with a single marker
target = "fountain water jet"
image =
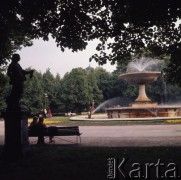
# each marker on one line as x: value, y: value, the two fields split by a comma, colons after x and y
x: 113, y: 102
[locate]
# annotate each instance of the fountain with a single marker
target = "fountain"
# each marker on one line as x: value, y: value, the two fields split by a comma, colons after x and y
x: 141, y: 72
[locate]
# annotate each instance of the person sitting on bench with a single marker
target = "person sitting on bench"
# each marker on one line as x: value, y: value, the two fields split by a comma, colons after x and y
x: 41, y: 127
x: 42, y: 130
x: 34, y: 122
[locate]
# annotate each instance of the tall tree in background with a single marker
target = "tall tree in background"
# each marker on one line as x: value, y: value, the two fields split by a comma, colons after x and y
x: 104, y: 82
x: 33, y: 94
x: 56, y: 102
x: 48, y: 87
x: 75, y: 92
x: 93, y: 89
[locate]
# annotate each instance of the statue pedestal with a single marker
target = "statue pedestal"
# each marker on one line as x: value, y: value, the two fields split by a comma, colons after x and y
x: 16, y: 135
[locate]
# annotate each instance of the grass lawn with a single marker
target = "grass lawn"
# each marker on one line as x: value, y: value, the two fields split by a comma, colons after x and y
x: 65, y: 121
x: 84, y: 163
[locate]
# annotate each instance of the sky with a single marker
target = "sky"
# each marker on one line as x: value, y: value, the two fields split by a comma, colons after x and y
x: 45, y: 54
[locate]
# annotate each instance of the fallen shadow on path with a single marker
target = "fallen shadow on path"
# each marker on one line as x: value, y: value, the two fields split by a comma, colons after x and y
x: 77, y: 162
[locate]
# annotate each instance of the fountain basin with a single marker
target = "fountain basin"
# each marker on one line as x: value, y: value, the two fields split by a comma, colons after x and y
x: 144, y: 112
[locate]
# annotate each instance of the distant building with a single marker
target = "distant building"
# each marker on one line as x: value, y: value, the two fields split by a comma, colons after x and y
x: 89, y: 69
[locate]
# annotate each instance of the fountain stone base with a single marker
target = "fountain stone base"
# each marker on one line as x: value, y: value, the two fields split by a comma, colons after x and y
x: 144, y: 112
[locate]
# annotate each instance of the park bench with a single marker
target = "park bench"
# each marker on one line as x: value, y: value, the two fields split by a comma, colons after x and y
x: 56, y: 131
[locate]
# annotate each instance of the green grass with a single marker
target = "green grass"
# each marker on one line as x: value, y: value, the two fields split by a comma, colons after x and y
x: 83, y: 163
x: 67, y: 122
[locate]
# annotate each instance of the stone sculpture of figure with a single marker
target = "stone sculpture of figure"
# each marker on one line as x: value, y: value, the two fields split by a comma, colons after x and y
x: 17, y: 78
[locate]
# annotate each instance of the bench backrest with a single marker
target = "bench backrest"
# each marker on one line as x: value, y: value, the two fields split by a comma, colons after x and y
x: 55, y: 131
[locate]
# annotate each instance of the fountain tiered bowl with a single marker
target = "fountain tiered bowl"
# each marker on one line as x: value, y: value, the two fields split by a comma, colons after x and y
x: 140, y: 77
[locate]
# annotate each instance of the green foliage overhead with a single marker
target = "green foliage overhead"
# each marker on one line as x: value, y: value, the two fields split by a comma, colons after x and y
x: 129, y: 24
x: 69, y: 23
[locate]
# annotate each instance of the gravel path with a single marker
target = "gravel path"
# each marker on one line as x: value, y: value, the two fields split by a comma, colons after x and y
x: 119, y: 136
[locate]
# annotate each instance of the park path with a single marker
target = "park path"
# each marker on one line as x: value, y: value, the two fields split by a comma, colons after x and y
x: 132, y: 135
x: 119, y: 136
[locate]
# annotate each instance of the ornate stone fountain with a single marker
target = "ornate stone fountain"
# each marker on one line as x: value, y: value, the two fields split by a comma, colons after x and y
x: 141, y: 72
x: 141, y: 78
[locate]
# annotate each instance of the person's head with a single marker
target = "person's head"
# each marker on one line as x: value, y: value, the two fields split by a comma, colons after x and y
x: 15, y: 57
x: 35, y: 119
x: 41, y: 119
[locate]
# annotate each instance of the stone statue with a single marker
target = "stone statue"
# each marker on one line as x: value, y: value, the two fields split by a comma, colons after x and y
x: 17, y: 78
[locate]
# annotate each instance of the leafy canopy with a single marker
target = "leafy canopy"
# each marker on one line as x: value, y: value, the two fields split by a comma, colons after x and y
x: 123, y: 27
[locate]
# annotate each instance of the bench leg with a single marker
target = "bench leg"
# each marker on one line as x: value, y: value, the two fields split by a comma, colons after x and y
x: 78, y: 138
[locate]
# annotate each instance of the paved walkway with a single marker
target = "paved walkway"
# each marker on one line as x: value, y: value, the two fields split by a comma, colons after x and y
x: 119, y: 136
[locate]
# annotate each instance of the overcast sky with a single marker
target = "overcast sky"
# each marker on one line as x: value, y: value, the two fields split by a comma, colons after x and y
x: 45, y: 54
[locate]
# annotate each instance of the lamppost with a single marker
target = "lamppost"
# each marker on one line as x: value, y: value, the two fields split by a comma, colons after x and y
x: 46, y: 96
x: 93, y: 103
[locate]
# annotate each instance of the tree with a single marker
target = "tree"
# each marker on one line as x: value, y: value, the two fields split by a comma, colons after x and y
x: 4, y: 88
x: 93, y: 89
x: 132, y: 25
x: 33, y: 93
x: 110, y: 84
x: 68, y: 22
x: 104, y: 82
x: 173, y: 70
x: 13, y: 31
x: 122, y: 26
x: 55, y: 103
x: 163, y: 92
x: 48, y: 83
x: 75, y: 93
